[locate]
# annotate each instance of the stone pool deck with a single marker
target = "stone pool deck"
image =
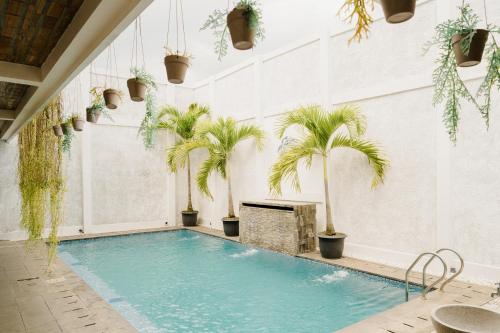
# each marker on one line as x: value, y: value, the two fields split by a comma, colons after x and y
x: 32, y: 299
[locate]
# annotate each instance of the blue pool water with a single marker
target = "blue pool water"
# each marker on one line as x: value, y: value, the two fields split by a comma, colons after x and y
x: 184, y: 281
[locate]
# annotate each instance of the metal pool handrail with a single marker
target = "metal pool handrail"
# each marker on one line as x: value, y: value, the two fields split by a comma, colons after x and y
x: 426, y: 289
x: 451, y: 278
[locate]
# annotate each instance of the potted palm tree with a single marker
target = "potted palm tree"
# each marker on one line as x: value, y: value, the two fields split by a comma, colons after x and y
x: 183, y: 125
x: 220, y: 138
x: 323, y: 132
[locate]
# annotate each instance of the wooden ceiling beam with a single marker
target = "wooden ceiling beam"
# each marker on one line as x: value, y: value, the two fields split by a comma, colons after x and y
x: 7, y: 114
x: 21, y: 74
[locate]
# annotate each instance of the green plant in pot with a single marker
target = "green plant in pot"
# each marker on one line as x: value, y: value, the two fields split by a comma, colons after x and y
x: 395, y: 11
x: 140, y: 83
x: 323, y: 132
x: 220, y: 139
x: 77, y: 122
x: 68, y: 135
x: 183, y: 125
x: 97, y: 106
x: 176, y: 65
x: 462, y: 44
x: 244, y: 23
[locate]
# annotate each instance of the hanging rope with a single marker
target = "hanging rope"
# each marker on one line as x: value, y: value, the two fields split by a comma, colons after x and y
x: 137, y: 43
x: 178, y: 3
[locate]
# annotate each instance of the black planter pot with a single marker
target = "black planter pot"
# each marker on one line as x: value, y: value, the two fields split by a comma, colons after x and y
x: 331, y: 247
x: 189, y: 218
x: 231, y: 226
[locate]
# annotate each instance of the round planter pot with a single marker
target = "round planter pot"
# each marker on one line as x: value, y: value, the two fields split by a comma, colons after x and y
x: 112, y: 98
x: 78, y: 124
x: 189, y: 218
x: 241, y: 35
x: 66, y: 128
x: 57, y: 130
x: 93, y: 116
x: 397, y: 11
x: 231, y: 226
x: 176, y: 66
x: 476, y: 48
x: 331, y: 247
x: 136, y: 89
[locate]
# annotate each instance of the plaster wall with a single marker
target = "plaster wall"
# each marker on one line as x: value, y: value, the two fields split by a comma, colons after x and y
x: 435, y: 194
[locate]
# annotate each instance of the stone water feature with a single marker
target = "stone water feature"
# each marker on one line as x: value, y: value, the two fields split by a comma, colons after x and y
x: 283, y: 226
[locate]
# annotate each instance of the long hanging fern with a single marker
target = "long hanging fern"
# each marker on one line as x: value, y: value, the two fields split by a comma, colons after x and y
x: 40, y: 175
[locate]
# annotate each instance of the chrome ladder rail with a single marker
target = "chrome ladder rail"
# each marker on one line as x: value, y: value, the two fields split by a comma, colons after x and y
x: 451, y: 278
x: 426, y: 289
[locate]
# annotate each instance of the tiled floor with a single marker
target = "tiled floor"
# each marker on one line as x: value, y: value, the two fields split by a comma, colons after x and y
x: 35, y: 300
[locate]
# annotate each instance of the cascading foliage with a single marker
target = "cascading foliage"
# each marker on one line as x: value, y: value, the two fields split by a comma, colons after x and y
x: 40, y: 174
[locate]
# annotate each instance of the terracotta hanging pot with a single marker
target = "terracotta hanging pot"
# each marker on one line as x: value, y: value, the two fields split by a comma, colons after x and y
x: 476, y: 48
x: 78, y: 123
x: 136, y: 89
x: 57, y: 130
x: 241, y: 35
x: 176, y: 66
x: 66, y: 128
x: 112, y: 98
x: 397, y: 11
x: 93, y: 115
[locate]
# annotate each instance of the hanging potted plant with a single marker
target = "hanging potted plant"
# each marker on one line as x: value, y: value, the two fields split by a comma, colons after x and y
x: 183, y: 125
x: 176, y: 65
x: 68, y: 135
x: 112, y: 96
x: 219, y: 138
x: 244, y: 23
x: 96, y: 107
x: 139, y: 84
x: 77, y: 122
x: 323, y: 132
x: 395, y: 11
x: 461, y: 44
x: 57, y: 130
x: 176, y: 62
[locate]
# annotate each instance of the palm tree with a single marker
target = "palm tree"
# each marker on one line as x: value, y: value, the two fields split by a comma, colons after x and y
x: 183, y: 125
x: 322, y: 134
x: 219, y: 138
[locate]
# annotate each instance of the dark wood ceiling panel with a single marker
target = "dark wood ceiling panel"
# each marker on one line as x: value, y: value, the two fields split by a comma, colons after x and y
x: 29, y: 29
x: 11, y: 94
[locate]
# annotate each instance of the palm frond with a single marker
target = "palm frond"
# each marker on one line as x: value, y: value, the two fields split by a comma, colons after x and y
x: 286, y: 168
x: 373, y: 153
x: 211, y: 164
x: 177, y: 154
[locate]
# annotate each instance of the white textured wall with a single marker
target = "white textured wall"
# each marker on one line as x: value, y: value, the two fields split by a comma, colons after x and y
x: 435, y: 194
x: 112, y: 182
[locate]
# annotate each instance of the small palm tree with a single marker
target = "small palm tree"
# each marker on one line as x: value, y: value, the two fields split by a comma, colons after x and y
x: 220, y: 139
x: 183, y: 125
x: 322, y: 134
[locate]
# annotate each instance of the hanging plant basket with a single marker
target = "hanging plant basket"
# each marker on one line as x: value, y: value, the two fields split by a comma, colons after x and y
x: 176, y: 66
x: 476, y: 48
x: 57, y: 130
x: 93, y: 115
x: 66, y: 128
x: 78, y: 123
x: 112, y: 98
x: 242, y: 36
x: 137, y: 89
x: 397, y: 11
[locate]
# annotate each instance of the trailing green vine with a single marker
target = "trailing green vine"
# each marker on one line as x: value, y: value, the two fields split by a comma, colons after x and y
x: 40, y: 175
x: 448, y: 85
x: 147, y: 128
x: 217, y: 21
